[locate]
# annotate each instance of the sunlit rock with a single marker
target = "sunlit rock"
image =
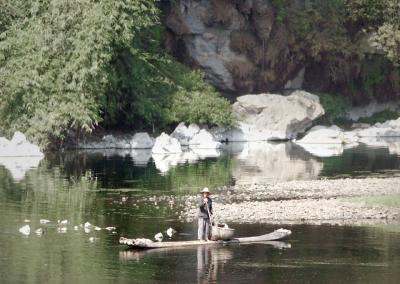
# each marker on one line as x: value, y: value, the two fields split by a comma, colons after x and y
x: 110, y: 228
x: 44, y: 221
x: 185, y: 133
x: 268, y: 162
x: 141, y: 140
x: 25, y: 230
x: 323, y: 141
x: 271, y: 117
x: 324, y: 150
x: 204, y: 140
x: 323, y: 135
x: 165, y: 144
x: 18, y: 146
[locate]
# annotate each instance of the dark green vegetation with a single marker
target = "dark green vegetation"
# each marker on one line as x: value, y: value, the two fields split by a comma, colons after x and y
x: 68, y: 66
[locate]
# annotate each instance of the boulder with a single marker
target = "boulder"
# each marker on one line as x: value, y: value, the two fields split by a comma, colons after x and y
x: 323, y: 135
x: 390, y: 128
x: 141, y: 140
x: 18, y: 147
x: 204, y: 140
x: 19, y: 166
x: 165, y: 144
x: 273, y: 117
x: 184, y: 134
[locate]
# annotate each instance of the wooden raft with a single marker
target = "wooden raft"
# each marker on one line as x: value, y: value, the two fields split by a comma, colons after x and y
x: 149, y: 244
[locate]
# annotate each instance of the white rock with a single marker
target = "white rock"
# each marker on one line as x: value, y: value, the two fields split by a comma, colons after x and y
x: 19, y: 166
x: 109, y: 228
x: 323, y: 135
x: 204, y: 140
x: 379, y: 131
x: 165, y: 144
x: 97, y: 228
x: 184, y: 134
x: 141, y: 140
x: 86, y: 230
x: 87, y: 225
x: 18, y: 147
x: 272, y: 117
x: 18, y: 138
x: 44, y: 221
x: 76, y: 228
x: 25, y: 230
x: 158, y: 237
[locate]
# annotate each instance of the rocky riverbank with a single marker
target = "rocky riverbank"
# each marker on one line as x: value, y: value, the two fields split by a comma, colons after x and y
x: 309, y: 202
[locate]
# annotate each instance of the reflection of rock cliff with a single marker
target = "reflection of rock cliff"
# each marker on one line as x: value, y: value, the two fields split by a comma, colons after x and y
x: 264, y: 162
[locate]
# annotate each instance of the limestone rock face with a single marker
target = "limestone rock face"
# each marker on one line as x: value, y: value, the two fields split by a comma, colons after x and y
x: 185, y: 133
x: 204, y: 140
x: 274, y: 117
x: 165, y: 144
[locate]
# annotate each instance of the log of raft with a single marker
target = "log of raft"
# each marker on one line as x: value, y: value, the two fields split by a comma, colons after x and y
x: 276, y: 235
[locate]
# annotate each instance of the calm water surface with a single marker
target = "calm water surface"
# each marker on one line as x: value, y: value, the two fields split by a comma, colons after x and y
x: 103, y: 188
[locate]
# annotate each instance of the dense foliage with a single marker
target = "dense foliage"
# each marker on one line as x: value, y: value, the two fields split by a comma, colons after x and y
x: 70, y: 65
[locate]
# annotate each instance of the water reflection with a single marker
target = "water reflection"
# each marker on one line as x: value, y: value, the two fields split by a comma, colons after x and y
x: 263, y: 162
x: 18, y: 166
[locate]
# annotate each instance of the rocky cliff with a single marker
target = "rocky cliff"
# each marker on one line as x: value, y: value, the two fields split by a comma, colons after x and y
x: 254, y: 46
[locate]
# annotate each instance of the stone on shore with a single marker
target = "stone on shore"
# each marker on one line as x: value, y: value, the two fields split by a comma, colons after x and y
x: 185, y: 133
x: 323, y: 135
x: 204, y: 140
x: 272, y: 117
x: 390, y: 128
x: 322, y: 141
x: 166, y: 144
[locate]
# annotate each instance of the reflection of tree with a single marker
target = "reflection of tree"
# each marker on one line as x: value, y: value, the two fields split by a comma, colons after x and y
x: 116, y: 172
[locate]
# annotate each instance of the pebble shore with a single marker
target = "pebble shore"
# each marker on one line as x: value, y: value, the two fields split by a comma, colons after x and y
x: 309, y: 202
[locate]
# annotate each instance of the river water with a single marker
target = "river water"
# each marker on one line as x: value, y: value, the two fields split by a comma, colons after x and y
x: 104, y: 187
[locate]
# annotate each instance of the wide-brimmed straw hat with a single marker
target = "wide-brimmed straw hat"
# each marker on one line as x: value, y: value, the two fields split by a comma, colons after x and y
x: 205, y: 190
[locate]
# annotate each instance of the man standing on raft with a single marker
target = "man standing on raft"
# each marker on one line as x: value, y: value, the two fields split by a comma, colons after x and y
x: 204, y: 212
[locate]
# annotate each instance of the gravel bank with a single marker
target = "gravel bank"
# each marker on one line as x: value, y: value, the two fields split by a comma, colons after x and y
x: 311, y: 202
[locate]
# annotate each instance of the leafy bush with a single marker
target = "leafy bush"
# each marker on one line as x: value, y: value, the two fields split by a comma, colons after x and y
x: 70, y: 65
x: 335, y: 107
